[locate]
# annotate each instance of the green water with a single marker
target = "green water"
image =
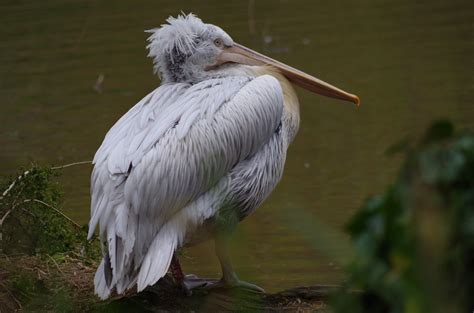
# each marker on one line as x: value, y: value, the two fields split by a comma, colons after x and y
x: 409, y: 61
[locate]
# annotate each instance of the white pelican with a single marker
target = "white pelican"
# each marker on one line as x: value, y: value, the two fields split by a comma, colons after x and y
x: 195, y: 156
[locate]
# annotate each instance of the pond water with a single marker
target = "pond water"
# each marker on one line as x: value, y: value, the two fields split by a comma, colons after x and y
x: 409, y: 61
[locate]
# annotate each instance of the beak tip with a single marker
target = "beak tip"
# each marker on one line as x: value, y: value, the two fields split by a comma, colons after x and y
x: 356, y: 100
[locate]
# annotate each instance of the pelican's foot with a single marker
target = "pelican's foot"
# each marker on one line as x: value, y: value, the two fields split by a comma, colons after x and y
x: 191, y: 282
x: 234, y: 283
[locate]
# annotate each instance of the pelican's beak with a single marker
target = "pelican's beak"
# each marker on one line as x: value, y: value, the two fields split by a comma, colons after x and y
x: 243, y: 55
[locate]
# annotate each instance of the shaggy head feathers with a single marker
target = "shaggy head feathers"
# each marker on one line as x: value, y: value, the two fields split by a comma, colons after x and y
x: 180, y: 33
x: 172, y: 44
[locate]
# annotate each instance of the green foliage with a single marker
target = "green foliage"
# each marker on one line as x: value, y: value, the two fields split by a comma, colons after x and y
x: 32, y: 222
x: 53, y: 270
x: 414, y: 245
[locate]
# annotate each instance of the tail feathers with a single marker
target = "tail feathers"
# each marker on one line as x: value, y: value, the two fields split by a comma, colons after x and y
x: 102, y: 289
x: 116, y: 270
x: 154, y: 266
x: 126, y: 282
x: 158, y: 258
x: 107, y: 269
x: 105, y: 281
x: 132, y: 255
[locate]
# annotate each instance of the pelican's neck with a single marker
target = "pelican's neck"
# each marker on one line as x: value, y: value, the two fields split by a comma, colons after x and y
x: 291, y: 112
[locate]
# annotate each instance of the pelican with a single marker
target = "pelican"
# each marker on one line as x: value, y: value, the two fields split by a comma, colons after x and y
x: 193, y: 157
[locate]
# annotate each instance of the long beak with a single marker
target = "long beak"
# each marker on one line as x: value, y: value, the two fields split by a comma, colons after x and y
x: 243, y: 55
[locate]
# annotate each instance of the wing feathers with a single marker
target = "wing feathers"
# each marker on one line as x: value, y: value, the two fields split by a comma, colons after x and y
x: 172, y: 147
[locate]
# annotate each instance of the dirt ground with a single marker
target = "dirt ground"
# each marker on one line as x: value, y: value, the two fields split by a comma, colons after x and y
x: 65, y: 283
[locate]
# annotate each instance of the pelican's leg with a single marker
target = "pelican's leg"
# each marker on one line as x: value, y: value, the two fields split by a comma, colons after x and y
x: 178, y: 275
x: 229, y: 277
x: 186, y: 282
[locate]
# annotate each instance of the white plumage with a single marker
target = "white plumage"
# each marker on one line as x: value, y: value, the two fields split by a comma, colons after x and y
x: 195, y: 156
x: 165, y: 167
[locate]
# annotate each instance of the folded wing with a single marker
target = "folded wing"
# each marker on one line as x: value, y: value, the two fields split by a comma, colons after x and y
x: 169, y: 149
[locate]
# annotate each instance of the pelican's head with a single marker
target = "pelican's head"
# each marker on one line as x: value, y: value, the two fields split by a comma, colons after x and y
x: 186, y: 47
x: 188, y: 50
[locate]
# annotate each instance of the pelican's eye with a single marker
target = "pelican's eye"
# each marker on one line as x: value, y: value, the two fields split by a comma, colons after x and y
x: 218, y: 43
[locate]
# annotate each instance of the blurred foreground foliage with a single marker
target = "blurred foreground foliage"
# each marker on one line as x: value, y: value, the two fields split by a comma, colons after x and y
x: 414, y: 245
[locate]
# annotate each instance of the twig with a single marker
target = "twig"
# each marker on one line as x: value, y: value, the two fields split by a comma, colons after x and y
x: 64, y: 275
x: 28, y: 172
x: 55, y: 263
x: 13, y: 184
x: 5, y: 216
x: 11, y: 295
x: 40, y: 271
x: 70, y: 164
x: 43, y: 203
x: 8, y: 212
x: 54, y: 209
